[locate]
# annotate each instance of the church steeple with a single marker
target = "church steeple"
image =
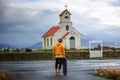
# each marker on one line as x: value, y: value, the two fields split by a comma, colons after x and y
x: 65, y: 15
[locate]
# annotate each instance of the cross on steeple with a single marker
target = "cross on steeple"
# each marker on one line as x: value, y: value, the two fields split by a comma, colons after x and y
x: 65, y: 6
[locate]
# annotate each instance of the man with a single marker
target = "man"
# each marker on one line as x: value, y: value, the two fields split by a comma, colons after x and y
x: 59, y: 54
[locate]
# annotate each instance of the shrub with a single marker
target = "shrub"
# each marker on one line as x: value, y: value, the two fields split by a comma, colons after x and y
x: 3, y: 75
x: 110, y: 73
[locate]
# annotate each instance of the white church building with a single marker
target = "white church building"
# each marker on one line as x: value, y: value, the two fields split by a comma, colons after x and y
x: 64, y: 30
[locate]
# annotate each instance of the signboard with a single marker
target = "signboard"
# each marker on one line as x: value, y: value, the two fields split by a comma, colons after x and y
x: 95, y: 51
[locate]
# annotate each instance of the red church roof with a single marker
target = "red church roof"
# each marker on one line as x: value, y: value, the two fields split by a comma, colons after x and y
x: 65, y: 34
x: 51, y: 31
x: 64, y: 12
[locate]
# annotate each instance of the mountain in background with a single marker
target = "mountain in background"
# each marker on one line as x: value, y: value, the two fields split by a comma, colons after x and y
x: 111, y: 44
x: 36, y: 46
x: 6, y: 46
x: 84, y: 44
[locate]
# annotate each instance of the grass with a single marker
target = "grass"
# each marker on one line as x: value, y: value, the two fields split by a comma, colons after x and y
x: 38, y: 51
x: 24, y: 52
x: 109, y: 73
x: 50, y: 51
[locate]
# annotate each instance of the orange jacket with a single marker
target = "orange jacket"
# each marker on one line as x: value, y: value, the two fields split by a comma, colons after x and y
x: 58, y: 49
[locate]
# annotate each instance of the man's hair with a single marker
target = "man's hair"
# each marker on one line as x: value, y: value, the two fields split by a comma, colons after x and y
x: 60, y: 40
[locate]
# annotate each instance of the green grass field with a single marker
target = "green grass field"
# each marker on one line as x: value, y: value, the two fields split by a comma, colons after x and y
x: 50, y: 51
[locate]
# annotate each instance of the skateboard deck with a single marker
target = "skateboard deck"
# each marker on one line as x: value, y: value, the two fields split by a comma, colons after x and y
x: 65, y: 67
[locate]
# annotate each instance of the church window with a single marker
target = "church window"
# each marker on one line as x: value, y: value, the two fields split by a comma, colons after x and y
x: 51, y: 41
x: 66, y: 16
x: 47, y: 42
x: 44, y: 42
x: 72, y: 38
x: 67, y: 27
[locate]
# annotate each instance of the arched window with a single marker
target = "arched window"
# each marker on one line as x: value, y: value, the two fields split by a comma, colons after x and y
x: 72, y: 38
x: 67, y: 27
x: 66, y: 16
x: 44, y: 42
x: 51, y: 41
x: 47, y: 42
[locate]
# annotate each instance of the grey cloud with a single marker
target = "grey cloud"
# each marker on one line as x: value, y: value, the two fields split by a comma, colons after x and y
x: 115, y: 3
x: 18, y: 27
x: 92, y: 29
x: 105, y: 35
x: 17, y: 17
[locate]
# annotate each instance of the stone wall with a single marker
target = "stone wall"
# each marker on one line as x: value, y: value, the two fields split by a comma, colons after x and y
x: 111, y: 54
x: 48, y: 56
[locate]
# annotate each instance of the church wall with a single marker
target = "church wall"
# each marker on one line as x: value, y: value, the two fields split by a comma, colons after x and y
x: 66, y: 42
x: 64, y: 24
x: 43, y: 43
x: 48, y: 42
x: 77, y: 40
x: 61, y: 31
x: 54, y: 39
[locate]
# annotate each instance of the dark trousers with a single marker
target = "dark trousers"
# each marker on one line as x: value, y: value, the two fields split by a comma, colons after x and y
x: 59, y: 63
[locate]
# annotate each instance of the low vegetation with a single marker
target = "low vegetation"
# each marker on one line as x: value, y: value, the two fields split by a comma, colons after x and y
x: 23, y: 51
x: 109, y: 73
x: 4, y: 75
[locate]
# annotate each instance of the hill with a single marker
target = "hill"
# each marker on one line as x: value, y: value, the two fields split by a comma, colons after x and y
x: 36, y: 46
x: 6, y: 46
x: 85, y: 43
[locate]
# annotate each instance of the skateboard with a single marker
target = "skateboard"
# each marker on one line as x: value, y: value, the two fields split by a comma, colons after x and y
x: 65, y: 67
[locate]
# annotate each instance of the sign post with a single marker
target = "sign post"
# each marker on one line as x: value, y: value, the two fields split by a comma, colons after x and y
x: 96, y: 51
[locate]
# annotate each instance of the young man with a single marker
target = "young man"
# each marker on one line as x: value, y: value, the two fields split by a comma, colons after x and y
x: 59, y: 54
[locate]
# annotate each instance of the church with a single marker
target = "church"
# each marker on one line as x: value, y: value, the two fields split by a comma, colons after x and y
x: 64, y: 30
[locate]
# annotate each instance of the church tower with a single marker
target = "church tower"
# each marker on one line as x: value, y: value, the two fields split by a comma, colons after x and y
x: 65, y: 17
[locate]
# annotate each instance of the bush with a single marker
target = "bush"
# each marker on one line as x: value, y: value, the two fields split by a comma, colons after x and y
x: 3, y: 75
x: 110, y: 73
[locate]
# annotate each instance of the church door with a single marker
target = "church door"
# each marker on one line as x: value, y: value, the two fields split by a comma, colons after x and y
x: 72, y: 43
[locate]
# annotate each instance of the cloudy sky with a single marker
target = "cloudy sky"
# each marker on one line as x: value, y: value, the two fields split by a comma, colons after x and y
x: 23, y: 22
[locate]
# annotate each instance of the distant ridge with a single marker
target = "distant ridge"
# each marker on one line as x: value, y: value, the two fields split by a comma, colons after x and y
x: 36, y: 46
x: 84, y: 44
x: 6, y: 46
x: 112, y: 44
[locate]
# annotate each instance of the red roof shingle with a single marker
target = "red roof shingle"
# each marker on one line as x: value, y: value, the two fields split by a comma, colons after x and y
x: 65, y: 34
x: 51, y: 31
